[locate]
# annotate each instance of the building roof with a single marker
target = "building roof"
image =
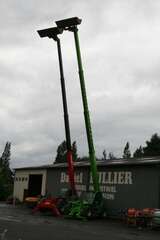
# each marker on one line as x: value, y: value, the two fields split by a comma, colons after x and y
x: 116, y: 162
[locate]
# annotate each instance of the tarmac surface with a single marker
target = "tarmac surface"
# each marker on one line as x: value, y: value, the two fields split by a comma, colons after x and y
x: 17, y: 223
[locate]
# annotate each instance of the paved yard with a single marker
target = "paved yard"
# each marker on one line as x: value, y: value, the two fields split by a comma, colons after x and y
x: 17, y: 223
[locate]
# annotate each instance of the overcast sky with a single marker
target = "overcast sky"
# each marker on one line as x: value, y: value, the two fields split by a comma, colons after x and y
x: 120, y: 44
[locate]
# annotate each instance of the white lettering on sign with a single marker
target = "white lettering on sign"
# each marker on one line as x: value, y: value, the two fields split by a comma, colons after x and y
x: 128, y: 178
x: 121, y: 178
x: 108, y: 196
x: 108, y: 182
x: 114, y: 178
x: 91, y: 188
x: 77, y: 177
x: 81, y: 188
x: 108, y: 189
x: 64, y: 177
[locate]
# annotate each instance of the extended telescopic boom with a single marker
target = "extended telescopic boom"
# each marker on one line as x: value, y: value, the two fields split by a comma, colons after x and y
x: 71, y: 25
x: 52, y: 33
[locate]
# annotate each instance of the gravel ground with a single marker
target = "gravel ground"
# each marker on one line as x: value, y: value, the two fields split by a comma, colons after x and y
x: 17, y: 223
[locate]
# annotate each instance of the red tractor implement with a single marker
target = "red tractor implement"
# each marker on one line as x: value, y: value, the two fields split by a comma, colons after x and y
x: 48, y: 205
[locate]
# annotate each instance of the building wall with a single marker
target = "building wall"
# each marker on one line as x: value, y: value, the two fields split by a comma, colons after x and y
x: 122, y: 186
x: 140, y: 189
x: 57, y: 180
x: 21, y: 181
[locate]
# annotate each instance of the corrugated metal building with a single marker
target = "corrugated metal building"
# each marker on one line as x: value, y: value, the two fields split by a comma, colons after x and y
x: 124, y: 183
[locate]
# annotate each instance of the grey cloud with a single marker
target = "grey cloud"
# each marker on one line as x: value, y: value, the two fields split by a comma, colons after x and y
x: 120, y: 53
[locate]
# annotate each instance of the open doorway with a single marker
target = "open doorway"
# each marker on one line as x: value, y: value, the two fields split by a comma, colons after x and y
x: 35, y: 185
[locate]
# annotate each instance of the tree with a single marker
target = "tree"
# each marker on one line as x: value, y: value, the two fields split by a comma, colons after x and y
x: 111, y: 156
x: 74, y: 151
x: 4, y: 161
x: 104, y: 155
x: 153, y: 146
x: 61, y: 156
x: 126, y: 151
x: 138, y: 153
x: 6, y: 179
x: 61, y: 153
